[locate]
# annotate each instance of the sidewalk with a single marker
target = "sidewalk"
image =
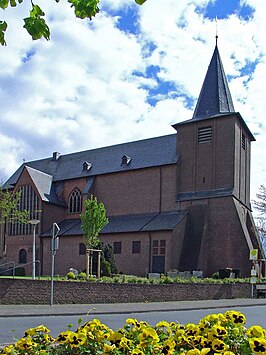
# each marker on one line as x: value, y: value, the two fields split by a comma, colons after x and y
x: 83, y: 309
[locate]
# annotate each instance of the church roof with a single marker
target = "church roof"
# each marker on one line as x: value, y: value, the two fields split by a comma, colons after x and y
x: 215, y: 97
x: 44, y: 185
x: 145, y: 153
x: 146, y: 222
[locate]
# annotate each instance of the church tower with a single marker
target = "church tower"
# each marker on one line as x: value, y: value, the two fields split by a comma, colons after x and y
x: 214, y: 180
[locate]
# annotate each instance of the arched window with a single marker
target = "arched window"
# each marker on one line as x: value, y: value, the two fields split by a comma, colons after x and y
x: 29, y: 201
x: 74, y: 203
x: 22, y: 256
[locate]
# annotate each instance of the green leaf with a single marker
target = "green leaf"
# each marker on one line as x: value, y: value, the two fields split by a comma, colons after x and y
x: 36, y: 25
x: 37, y: 28
x: 13, y: 3
x: 3, y: 27
x: 85, y: 8
x: 4, y: 4
x: 36, y: 11
x: 140, y: 2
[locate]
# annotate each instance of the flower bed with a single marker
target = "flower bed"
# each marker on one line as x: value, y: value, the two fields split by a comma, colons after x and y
x: 223, y: 334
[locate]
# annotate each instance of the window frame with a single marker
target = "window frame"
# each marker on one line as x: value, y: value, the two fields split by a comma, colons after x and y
x: 22, y: 259
x: 75, y: 201
x: 117, y: 247
x: 136, y: 246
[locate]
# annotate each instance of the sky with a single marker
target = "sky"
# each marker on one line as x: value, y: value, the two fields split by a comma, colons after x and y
x: 128, y: 74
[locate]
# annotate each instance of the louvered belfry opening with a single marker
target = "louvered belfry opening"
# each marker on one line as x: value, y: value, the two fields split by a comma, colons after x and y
x: 205, y: 134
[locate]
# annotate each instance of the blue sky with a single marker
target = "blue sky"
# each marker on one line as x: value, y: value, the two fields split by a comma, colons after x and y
x: 129, y: 74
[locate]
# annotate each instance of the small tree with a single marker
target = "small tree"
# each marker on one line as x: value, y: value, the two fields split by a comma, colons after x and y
x: 92, y: 222
x: 10, y: 212
x: 260, y: 206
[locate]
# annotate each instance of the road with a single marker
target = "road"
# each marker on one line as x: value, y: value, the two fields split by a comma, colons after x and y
x: 11, y: 327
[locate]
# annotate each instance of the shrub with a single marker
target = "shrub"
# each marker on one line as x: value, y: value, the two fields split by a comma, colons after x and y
x: 70, y: 275
x: 105, y: 268
x: 82, y: 276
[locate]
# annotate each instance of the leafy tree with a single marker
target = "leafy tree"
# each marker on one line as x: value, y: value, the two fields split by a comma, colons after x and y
x: 260, y: 206
x: 10, y: 212
x: 36, y: 25
x: 92, y: 221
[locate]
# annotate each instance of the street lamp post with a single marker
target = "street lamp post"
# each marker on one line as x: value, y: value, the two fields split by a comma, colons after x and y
x: 34, y: 223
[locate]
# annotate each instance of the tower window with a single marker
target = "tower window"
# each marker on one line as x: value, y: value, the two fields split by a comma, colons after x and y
x: 74, y: 205
x: 205, y: 134
x: 243, y: 141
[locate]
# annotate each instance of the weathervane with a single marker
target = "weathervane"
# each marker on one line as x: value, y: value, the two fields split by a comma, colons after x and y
x: 216, y: 36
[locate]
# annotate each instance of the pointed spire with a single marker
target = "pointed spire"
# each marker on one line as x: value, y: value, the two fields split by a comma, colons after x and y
x: 215, y: 97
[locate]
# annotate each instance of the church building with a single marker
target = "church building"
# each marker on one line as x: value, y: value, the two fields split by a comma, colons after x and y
x: 180, y: 201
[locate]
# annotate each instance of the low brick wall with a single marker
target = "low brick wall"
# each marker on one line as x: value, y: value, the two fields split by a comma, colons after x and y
x: 15, y: 291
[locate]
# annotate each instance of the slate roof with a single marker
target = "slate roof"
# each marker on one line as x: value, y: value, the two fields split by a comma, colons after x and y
x: 144, y: 153
x: 197, y: 195
x: 126, y: 224
x: 215, y: 97
x: 44, y: 186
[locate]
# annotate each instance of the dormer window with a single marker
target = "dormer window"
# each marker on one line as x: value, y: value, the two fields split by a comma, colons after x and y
x: 125, y: 160
x: 56, y: 156
x: 86, y: 166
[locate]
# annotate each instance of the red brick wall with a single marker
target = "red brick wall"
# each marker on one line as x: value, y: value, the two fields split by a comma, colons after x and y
x: 224, y: 244
x: 127, y: 262
x: 138, y: 191
x: 69, y: 292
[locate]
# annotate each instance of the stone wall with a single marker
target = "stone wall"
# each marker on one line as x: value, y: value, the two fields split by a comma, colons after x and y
x: 16, y: 291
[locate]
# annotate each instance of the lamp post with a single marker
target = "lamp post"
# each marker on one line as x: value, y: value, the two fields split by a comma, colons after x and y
x: 34, y: 223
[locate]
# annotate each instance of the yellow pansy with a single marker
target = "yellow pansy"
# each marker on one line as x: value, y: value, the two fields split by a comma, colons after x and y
x: 8, y: 350
x: 137, y: 351
x: 237, y: 318
x: 131, y: 321
x: 42, y: 328
x: 218, y: 331
x: 163, y: 323
x: 255, y: 331
x: 219, y: 346
x: 76, y: 339
x: 30, y: 332
x: 63, y: 337
x: 107, y: 348
x: 192, y: 329
x: 258, y: 345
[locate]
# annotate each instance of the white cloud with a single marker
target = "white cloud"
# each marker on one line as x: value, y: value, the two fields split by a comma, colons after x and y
x: 79, y: 91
